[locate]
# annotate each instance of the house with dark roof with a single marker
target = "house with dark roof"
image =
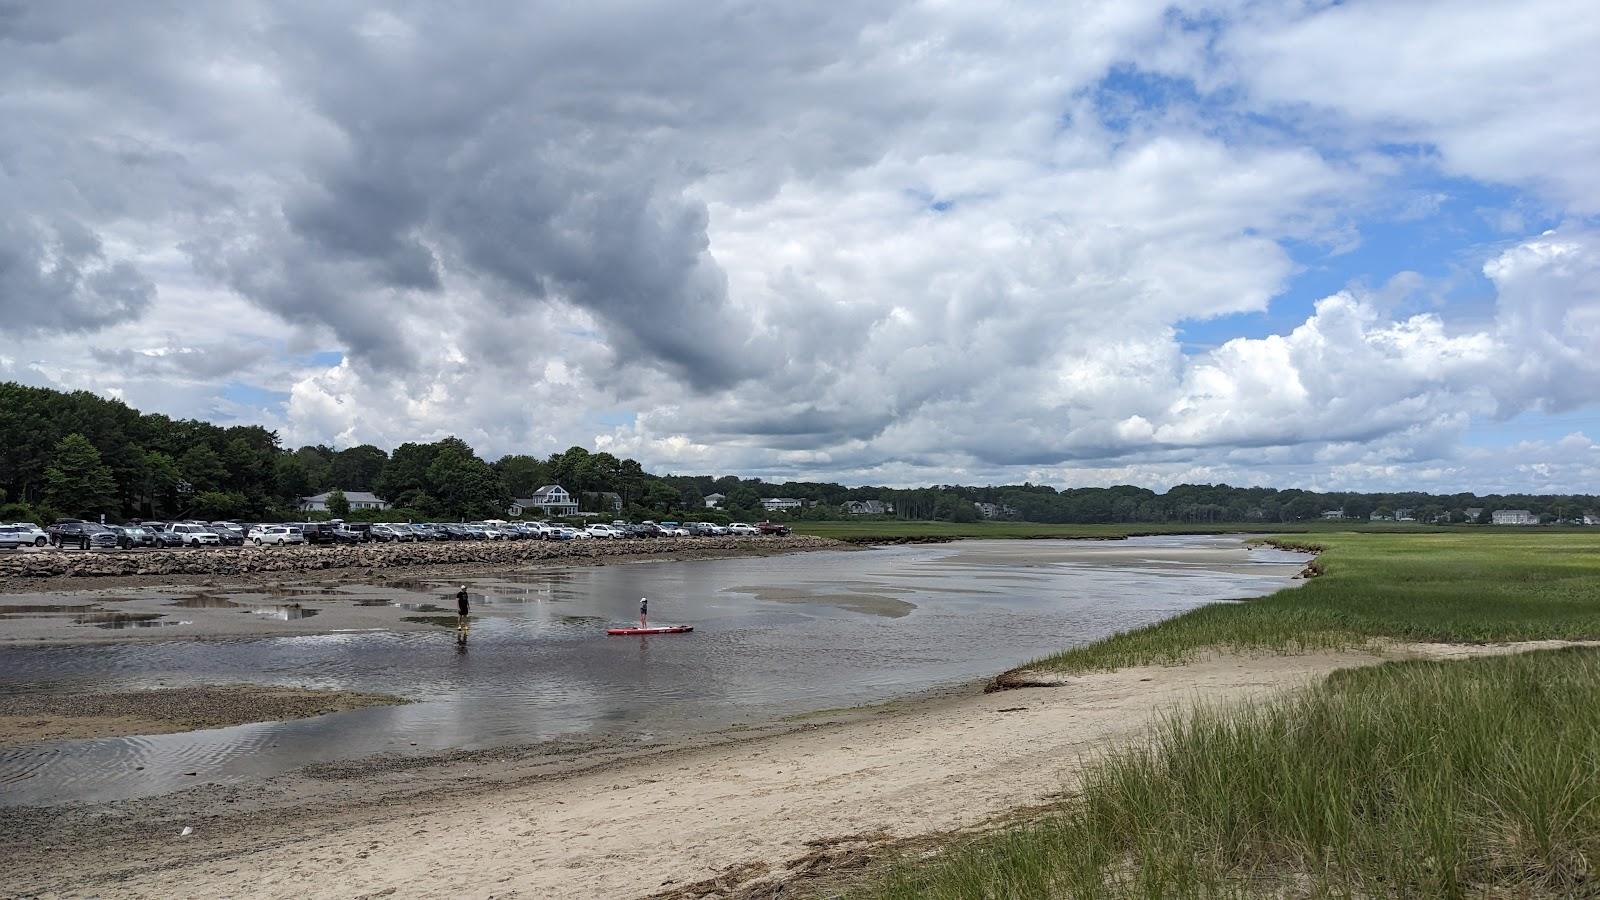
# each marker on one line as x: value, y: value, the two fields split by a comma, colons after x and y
x: 551, y: 500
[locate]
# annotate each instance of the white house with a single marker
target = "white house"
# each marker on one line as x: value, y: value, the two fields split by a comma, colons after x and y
x: 994, y: 510
x: 867, y: 507
x: 1472, y: 513
x: 1591, y: 518
x: 356, y: 499
x: 776, y: 504
x: 715, y: 501
x: 1514, y: 517
x: 552, y: 500
x: 1333, y: 513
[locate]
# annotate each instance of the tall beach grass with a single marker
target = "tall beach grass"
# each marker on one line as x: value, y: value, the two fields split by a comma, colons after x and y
x: 1411, y: 779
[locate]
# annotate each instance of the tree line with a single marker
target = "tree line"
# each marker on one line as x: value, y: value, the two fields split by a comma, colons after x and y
x: 78, y: 454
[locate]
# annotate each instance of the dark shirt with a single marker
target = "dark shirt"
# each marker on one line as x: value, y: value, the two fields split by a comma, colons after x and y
x: 461, y: 602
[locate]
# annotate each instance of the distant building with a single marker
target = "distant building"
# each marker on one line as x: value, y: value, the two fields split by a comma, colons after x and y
x: 1591, y: 518
x: 715, y: 501
x: 1515, y: 517
x: 551, y: 500
x: 777, y: 504
x: 356, y: 499
x: 1473, y: 513
x: 867, y: 508
x: 994, y: 510
x: 1405, y: 515
x: 1333, y: 513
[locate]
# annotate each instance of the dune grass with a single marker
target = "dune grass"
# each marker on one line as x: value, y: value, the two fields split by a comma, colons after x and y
x: 1411, y: 779
x: 1464, y: 586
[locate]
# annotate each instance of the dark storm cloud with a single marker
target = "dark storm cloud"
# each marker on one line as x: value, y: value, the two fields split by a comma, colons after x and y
x: 57, y: 277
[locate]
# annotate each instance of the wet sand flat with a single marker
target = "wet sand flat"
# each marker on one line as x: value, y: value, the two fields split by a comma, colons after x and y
x: 744, y: 814
x: 26, y: 718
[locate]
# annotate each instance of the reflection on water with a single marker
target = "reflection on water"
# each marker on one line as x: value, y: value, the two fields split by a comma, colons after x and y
x: 773, y: 636
x: 123, y: 620
x: 286, y: 613
x: 204, y: 602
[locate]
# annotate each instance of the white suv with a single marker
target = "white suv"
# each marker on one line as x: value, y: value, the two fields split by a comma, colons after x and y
x: 26, y: 534
x: 743, y: 528
x: 604, y: 531
x: 276, y: 534
x: 182, y: 535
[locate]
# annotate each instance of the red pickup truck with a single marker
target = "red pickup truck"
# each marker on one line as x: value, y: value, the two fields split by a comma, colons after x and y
x: 772, y: 528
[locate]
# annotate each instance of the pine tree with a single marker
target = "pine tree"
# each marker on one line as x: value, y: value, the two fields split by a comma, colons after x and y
x: 77, y: 482
x: 337, y: 504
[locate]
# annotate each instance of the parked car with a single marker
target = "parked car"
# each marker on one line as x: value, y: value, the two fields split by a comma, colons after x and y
x: 609, y: 532
x: 276, y: 536
x: 392, y: 534
x: 321, y: 533
x: 131, y: 536
x: 777, y: 528
x: 744, y: 528
x: 228, y: 529
x: 362, y: 530
x: 227, y: 535
x: 14, y: 536
x: 28, y: 534
x: 188, y: 534
x: 72, y: 533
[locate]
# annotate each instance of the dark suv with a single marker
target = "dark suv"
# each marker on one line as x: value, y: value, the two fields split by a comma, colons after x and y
x: 83, y: 535
x: 325, y: 533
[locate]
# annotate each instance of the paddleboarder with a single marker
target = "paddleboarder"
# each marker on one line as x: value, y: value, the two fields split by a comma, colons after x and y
x: 644, y: 612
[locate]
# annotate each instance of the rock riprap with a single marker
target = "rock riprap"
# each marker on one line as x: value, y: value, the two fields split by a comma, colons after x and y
x: 240, y: 560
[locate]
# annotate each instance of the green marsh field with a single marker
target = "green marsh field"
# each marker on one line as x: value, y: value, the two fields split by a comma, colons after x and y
x: 1461, y: 778
x: 890, y: 530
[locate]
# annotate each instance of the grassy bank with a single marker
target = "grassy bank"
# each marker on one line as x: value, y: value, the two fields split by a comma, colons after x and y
x: 1421, y: 779
x: 867, y: 532
x: 1468, y: 586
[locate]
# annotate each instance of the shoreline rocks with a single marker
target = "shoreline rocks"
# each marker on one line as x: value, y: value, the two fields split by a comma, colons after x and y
x: 245, y: 560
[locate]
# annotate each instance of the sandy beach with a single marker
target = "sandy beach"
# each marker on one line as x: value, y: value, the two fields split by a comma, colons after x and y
x: 725, y: 815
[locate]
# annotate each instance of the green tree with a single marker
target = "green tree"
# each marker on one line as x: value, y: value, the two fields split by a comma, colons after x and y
x: 359, y: 467
x: 338, y: 506
x: 215, y: 505
x: 202, y: 468
x: 158, y: 484
x: 77, y: 482
x: 522, y: 474
x: 406, y: 475
x: 291, y: 482
x: 660, y: 496
x: 464, y: 484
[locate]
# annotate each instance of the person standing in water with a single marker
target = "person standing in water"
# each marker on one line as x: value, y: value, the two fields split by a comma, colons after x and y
x: 644, y: 611
x: 463, y: 606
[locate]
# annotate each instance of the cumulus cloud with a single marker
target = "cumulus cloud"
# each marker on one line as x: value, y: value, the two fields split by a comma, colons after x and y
x: 886, y: 241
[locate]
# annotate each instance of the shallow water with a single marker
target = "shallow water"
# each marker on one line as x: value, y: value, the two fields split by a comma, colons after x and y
x: 773, y: 636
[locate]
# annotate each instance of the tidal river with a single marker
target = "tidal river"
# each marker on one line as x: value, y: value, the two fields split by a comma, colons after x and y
x: 774, y: 636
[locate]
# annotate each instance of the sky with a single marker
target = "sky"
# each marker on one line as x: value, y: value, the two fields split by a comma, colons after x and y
x: 1339, y: 246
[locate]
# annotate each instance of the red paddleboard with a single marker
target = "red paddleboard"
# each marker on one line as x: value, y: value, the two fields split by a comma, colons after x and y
x: 653, y: 629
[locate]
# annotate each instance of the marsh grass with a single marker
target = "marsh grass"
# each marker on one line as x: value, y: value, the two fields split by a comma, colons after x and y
x: 1470, y: 587
x: 1411, y: 779
x: 888, y: 530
